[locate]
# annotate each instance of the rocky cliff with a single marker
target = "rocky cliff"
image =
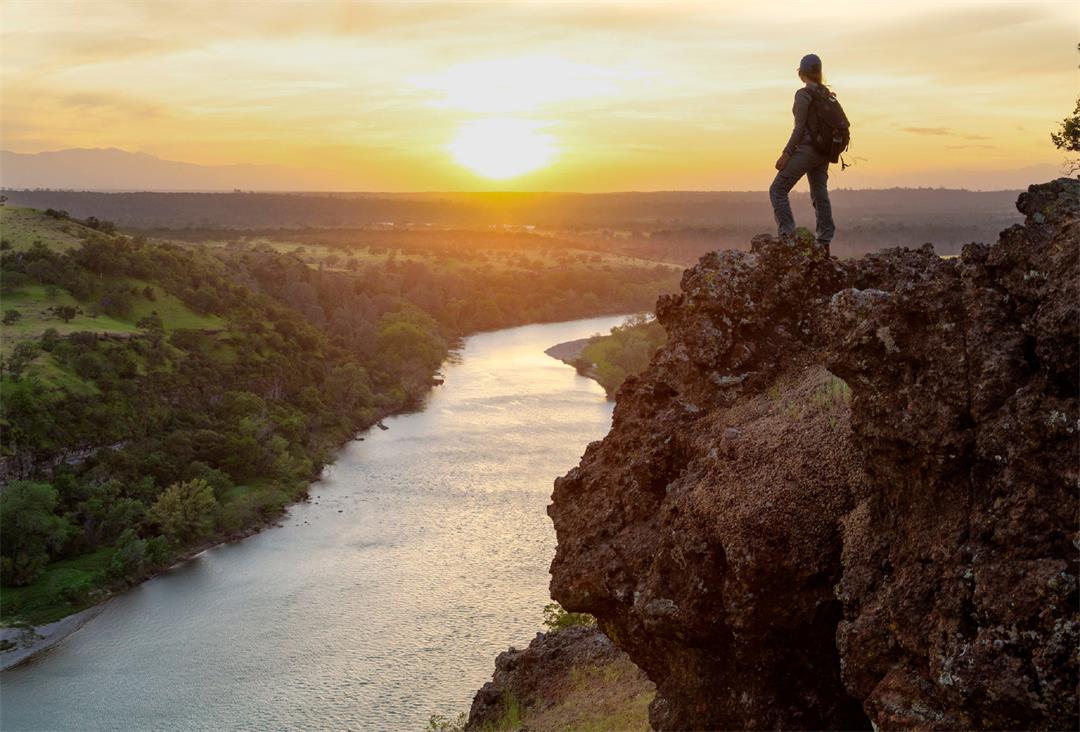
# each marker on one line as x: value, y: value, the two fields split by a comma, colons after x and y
x: 845, y: 492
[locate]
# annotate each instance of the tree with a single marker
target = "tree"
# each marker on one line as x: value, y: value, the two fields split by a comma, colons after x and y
x: 185, y: 510
x: 1067, y: 136
x: 22, y: 355
x: 133, y: 556
x: 65, y: 312
x: 29, y: 530
x: 105, y: 227
x: 117, y: 300
x: 153, y: 326
x: 10, y: 316
x: 106, y: 512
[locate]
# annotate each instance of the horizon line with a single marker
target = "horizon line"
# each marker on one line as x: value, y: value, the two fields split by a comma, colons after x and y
x: 328, y: 192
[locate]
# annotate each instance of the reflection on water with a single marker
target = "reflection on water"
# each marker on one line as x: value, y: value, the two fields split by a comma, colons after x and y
x: 423, y: 553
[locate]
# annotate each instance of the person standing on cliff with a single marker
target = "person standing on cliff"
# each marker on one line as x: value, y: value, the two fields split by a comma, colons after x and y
x: 801, y: 157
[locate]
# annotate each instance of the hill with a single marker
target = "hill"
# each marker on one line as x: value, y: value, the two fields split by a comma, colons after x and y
x: 110, y: 169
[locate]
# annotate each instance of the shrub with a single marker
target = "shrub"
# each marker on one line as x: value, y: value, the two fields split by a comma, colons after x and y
x: 129, y: 559
x: 441, y: 723
x: 76, y: 592
x: 49, y: 339
x: 556, y: 618
x: 185, y: 510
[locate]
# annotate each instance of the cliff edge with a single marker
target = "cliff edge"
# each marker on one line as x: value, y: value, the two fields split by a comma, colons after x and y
x: 845, y: 492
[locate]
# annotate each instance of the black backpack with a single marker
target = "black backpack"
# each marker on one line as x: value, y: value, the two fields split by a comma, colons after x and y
x: 830, y: 131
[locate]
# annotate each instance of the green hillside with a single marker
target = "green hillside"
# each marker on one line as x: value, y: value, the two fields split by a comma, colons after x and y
x: 158, y: 396
x: 21, y: 227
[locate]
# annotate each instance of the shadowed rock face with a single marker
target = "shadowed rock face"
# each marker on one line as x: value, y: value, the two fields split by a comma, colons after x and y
x: 776, y: 552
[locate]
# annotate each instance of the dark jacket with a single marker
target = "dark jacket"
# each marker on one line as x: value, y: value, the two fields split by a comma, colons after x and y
x: 801, y: 110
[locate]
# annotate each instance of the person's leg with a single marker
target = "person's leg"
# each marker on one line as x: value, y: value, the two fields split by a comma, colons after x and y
x: 819, y: 195
x: 799, y: 165
x: 781, y: 206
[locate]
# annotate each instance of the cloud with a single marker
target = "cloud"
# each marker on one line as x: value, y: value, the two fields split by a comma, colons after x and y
x: 661, y: 91
x: 943, y: 132
x: 100, y: 102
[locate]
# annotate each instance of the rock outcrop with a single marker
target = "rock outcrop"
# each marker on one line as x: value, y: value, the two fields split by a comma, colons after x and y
x: 778, y: 548
x: 564, y: 677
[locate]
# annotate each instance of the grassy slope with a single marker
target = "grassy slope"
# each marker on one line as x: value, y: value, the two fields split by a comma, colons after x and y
x: 597, y: 699
x: 21, y: 227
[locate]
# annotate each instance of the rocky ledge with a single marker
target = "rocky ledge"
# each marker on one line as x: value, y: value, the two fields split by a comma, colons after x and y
x: 573, y: 678
x: 845, y: 492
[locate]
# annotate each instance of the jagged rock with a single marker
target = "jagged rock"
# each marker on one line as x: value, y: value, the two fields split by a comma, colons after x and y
x: 959, y: 570
x: 907, y: 559
x: 539, y: 675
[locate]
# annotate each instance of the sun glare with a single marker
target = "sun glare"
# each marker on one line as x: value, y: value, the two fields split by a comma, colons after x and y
x: 502, y: 148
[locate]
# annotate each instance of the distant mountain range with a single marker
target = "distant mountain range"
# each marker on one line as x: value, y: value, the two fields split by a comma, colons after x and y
x: 110, y: 169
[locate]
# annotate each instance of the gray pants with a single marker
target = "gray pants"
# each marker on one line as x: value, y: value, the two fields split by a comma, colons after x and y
x: 815, y: 166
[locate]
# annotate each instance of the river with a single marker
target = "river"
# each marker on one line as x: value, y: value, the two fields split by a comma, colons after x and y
x: 422, y: 554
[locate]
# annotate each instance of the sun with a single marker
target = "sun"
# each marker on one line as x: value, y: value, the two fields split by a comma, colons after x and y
x: 502, y: 148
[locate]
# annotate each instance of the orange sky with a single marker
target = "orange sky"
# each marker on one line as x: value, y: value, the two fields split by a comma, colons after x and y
x: 543, y: 96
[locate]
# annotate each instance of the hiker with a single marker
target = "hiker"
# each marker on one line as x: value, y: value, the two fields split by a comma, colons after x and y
x: 820, y: 135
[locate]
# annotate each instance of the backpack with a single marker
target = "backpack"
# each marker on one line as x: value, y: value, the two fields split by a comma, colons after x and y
x: 830, y: 131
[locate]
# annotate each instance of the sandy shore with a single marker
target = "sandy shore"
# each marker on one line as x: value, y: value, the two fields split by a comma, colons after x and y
x: 31, y: 641
x: 569, y: 351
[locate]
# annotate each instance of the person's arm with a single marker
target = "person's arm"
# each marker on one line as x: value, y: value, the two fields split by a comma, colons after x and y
x: 801, y: 110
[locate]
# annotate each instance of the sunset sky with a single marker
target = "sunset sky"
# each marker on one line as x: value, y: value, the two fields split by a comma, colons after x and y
x: 544, y: 96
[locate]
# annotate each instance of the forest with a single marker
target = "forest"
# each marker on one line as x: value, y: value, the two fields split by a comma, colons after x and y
x: 158, y: 396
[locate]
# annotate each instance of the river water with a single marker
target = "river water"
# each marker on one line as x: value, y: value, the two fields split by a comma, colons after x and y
x: 423, y: 554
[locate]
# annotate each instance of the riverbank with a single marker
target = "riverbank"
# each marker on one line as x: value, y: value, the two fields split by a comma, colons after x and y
x: 572, y: 354
x: 421, y: 554
x: 35, y: 639
x: 28, y: 640
x: 20, y: 644
x: 611, y: 358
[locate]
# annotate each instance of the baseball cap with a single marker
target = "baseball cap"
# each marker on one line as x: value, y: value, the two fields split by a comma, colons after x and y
x: 810, y: 62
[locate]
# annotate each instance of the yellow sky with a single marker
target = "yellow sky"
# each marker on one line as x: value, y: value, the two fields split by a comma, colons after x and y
x: 593, y: 96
